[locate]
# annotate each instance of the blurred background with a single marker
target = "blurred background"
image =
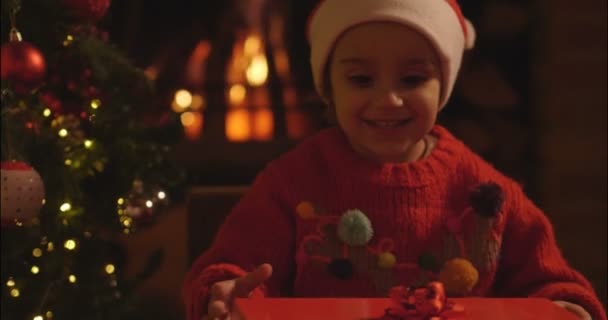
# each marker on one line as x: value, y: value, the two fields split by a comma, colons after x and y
x: 531, y: 99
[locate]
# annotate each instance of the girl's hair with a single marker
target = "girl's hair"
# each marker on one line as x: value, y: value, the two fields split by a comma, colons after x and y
x: 330, y: 112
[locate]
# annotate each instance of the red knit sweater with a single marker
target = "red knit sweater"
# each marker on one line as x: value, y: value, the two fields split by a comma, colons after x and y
x: 421, y: 216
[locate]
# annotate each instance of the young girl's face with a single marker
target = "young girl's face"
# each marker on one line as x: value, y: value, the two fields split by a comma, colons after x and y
x: 385, y: 88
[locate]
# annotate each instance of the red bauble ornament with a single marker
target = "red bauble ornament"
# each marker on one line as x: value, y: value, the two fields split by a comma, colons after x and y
x: 22, y: 64
x: 90, y: 10
x: 22, y: 192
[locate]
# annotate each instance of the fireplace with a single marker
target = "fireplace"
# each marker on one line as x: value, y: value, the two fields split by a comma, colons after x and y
x: 246, y: 98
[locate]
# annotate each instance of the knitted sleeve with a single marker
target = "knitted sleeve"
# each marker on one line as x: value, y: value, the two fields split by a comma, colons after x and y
x: 256, y: 231
x: 531, y: 263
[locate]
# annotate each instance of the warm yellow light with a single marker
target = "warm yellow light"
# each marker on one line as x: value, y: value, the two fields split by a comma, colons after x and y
x: 72, y: 278
x: 193, y: 125
x: 50, y: 246
x: 238, y: 125
x: 257, y: 71
x: 68, y: 162
x: 37, y: 252
x: 110, y: 268
x: 35, y: 269
x: 161, y: 195
x: 187, y: 119
x: 253, y: 45
x: 68, y: 40
x: 198, y: 102
x: 38, y: 317
x: 263, y: 125
x: 88, y: 144
x: 127, y: 222
x: 237, y: 94
x: 95, y: 103
x: 63, y: 133
x: 183, y: 98
x: 149, y: 204
x: 10, y: 283
x: 120, y: 201
x: 49, y: 314
x: 46, y: 112
x: 70, y: 244
x: 65, y: 207
x: 14, y: 292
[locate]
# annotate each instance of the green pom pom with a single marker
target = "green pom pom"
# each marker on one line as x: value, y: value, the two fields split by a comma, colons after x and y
x: 428, y: 262
x: 354, y: 228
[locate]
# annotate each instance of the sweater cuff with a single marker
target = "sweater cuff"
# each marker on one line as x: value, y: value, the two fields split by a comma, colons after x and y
x: 198, y: 296
x: 573, y: 293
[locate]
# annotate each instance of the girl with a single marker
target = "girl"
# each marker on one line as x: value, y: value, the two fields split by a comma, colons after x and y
x: 387, y: 197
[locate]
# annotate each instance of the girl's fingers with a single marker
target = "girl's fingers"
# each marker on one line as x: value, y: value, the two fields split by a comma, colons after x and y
x: 217, y: 309
x: 252, y: 280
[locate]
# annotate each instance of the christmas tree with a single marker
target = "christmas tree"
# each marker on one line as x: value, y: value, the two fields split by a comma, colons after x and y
x: 85, y: 158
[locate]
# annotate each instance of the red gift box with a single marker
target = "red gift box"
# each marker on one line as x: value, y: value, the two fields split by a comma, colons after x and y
x: 374, y: 308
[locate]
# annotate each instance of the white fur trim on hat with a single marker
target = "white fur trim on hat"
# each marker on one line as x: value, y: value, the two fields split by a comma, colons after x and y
x: 437, y: 20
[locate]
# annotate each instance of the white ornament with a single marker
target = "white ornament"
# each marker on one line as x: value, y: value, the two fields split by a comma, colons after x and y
x: 22, y: 192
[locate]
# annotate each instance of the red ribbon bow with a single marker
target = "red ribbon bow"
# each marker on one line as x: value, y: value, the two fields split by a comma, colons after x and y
x: 425, y: 303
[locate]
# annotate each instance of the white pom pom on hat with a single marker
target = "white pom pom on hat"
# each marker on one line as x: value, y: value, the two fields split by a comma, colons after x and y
x: 440, y: 21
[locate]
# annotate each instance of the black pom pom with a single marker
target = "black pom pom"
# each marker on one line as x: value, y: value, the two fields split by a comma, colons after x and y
x: 487, y: 199
x: 427, y: 261
x: 342, y: 269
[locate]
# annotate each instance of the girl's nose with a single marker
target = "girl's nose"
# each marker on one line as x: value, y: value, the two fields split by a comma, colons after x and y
x: 391, y: 98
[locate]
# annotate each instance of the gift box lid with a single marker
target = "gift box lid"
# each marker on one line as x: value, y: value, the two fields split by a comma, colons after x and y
x: 374, y: 308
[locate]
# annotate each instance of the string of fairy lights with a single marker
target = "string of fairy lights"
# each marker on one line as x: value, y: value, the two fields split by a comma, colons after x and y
x: 46, y: 246
x: 130, y: 208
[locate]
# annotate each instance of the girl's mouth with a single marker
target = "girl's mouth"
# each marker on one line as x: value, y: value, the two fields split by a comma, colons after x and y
x: 386, y: 123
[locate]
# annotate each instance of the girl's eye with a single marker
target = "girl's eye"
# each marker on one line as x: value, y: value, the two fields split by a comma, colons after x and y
x: 362, y: 81
x: 413, y: 80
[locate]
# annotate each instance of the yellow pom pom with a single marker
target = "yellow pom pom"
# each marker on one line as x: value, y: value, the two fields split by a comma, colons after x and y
x: 386, y: 260
x: 458, y: 276
x: 306, y: 210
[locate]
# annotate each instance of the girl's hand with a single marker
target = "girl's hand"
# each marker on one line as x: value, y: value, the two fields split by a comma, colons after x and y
x: 574, y: 308
x: 223, y: 293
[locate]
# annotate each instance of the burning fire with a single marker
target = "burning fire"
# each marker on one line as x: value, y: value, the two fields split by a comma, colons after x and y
x: 250, y: 116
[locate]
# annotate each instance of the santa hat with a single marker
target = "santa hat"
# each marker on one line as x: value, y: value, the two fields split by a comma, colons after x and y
x: 440, y: 21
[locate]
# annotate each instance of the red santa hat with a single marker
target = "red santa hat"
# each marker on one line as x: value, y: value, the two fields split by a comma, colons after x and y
x: 440, y: 21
